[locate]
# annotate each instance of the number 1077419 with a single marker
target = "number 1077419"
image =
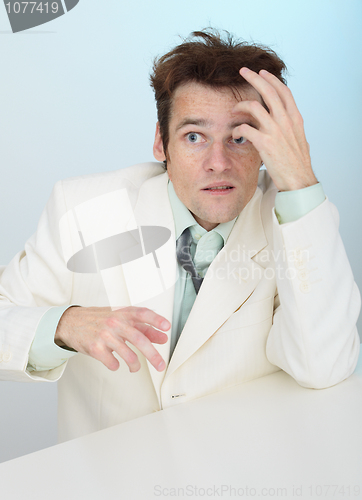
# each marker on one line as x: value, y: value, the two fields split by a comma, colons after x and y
x: 33, y: 7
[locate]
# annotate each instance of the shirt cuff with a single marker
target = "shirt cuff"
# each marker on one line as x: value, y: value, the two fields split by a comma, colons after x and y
x: 44, y: 354
x: 292, y: 205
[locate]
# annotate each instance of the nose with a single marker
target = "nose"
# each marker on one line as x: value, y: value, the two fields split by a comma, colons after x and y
x: 217, y: 159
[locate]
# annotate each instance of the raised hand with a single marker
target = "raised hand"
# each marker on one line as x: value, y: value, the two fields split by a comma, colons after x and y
x: 279, y: 137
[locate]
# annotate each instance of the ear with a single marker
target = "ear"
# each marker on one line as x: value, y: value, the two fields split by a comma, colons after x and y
x: 158, y: 152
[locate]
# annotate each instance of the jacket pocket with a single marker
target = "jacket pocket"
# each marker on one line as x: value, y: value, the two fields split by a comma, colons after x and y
x: 248, y: 315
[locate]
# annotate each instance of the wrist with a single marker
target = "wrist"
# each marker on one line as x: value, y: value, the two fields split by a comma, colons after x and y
x: 62, y: 328
x: 298, y: 183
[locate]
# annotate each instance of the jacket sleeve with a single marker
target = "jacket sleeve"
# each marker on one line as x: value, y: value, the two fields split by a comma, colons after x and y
x: 35, y: 280
x: 314, y: 336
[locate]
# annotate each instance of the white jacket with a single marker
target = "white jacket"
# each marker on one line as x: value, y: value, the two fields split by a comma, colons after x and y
x: 275, y: 297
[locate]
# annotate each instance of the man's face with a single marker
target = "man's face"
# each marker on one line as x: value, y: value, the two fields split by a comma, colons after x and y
x: 213, y: 175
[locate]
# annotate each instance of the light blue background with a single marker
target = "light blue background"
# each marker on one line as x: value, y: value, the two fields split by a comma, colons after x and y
x: 74, y: 99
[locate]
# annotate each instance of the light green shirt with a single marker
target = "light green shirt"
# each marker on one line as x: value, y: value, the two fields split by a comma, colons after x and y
x: 289, y: 206
x: 44, y: 353
x: 292, y: 205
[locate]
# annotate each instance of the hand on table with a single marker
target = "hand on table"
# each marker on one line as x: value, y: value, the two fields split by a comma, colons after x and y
x: 279, y: 137
x: 99, y: 331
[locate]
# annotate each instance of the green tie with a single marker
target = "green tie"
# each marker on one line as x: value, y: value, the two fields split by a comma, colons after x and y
x: 207, y: 248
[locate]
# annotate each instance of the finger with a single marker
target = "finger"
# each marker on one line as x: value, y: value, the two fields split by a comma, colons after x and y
x: 145, y: 315
x: 103, y: 347
x: 109, y: 361
x: 98, y: 350
x: 257, y: 111
x: 265, y: 89
x: 143, y: 344
x: 283, y: 91
x: 126, y: 353
x: 153, y: 335
x: 251, y: 134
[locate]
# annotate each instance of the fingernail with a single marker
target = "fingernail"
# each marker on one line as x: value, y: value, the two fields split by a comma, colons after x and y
x: 161, y: 366
x: 165, y: 325
x: 245, y: 70
x: 134, y: 368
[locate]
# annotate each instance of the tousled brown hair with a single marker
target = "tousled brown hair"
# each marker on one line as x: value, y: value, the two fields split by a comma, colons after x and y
x: 206, y: 58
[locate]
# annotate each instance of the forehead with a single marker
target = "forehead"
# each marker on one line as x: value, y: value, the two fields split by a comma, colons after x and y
x: 195, y: 99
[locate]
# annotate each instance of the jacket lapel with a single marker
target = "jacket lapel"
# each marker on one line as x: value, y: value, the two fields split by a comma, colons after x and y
x: 153, y: 209
x: 230, y: 280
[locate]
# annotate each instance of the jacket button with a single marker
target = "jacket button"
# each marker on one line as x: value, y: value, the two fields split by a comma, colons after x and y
x: 305, y: 287
x: 175, y: 396
x: 303, y: 274
x: 299, y: 263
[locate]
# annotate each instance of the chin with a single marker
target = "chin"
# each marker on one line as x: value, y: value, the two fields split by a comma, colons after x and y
x: 228, y: 217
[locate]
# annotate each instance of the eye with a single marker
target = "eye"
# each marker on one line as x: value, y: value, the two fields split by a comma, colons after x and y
x: 193, y: 137
x: 240, y: 140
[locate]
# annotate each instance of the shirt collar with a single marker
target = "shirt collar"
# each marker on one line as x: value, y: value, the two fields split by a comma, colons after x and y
x: 183, y: 218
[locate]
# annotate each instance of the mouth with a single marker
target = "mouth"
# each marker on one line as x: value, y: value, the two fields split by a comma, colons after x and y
x: 219, y: 189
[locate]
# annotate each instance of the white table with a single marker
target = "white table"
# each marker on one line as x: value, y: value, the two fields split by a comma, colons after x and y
x: 268, y: 438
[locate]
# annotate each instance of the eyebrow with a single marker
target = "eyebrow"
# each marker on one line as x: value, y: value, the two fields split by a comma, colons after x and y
x: 207, y: 123
x: 193, y: 121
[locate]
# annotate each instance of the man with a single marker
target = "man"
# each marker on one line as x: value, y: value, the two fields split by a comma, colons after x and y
x: 272, y: 287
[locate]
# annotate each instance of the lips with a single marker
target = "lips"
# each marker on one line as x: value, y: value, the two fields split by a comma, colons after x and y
x: 218, y: 187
